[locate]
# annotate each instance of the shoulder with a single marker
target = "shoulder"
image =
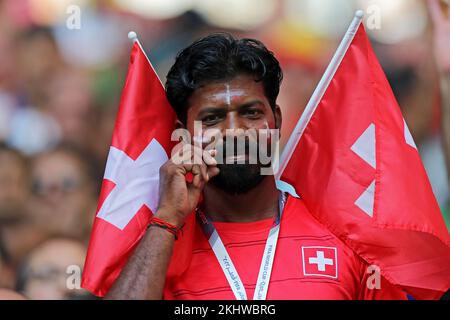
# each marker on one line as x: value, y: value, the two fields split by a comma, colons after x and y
x: 297, y: 219
x: 315, y: 240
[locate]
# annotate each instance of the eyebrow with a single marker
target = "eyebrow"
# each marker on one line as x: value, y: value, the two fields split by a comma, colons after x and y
x: 251, y: 104
x: 220, y: 109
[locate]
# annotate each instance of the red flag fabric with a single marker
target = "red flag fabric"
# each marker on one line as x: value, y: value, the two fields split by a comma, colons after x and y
x: 359, y: 173
x: 140, y: 145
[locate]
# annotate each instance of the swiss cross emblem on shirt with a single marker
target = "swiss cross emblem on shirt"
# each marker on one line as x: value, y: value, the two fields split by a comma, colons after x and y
x: 320, y: 261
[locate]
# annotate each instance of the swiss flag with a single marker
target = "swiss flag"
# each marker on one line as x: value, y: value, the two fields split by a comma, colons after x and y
x: 320, y: 262
x: 140, y: 145
x: 357, y: 169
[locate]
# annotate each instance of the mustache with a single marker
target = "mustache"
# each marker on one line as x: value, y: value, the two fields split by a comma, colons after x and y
x: 237, y: 147
x: 242, y: 148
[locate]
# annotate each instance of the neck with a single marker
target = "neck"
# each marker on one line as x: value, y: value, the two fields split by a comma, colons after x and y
x: 257, y: 204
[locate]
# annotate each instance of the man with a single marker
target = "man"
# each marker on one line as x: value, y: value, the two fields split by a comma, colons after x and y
x: 231, y: 86
x: 62, y: 192
x: 49, y: 271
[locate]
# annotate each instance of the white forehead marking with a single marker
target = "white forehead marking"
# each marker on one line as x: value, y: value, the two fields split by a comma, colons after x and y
x: 228, y: 94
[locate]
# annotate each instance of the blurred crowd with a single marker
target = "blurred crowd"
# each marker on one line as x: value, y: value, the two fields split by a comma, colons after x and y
x: 60, y: 89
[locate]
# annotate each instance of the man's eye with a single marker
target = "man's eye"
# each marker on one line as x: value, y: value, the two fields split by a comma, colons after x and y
x: 252, y: 113
x: 213, y: 118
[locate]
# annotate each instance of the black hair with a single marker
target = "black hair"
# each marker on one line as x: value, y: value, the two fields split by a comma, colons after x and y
x: 20, y: 157
x: 84, y: 157
x: 220, y: 57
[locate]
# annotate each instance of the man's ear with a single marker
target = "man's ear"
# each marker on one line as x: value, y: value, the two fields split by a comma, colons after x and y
x: 278, y: 117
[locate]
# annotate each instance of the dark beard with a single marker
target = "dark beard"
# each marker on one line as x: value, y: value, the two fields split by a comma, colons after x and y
x: 237, y: 178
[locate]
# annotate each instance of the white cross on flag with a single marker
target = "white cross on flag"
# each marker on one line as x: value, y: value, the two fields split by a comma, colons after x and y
x: 129, y: 195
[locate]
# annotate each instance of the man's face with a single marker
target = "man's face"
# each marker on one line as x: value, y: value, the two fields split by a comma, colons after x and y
x: 61, y: 194
x: 234, y: 107
x: 47, y: 270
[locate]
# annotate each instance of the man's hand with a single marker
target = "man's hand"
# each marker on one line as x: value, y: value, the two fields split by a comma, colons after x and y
x: 179, y: 197
x: 144, y: 275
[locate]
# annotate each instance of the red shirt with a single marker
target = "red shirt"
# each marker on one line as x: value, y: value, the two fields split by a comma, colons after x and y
x: 309, y: 263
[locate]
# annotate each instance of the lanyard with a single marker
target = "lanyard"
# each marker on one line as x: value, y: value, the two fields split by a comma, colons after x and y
x: 265, y: 270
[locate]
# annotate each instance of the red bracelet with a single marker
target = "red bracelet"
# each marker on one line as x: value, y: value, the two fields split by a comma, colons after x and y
x: 155, y: 221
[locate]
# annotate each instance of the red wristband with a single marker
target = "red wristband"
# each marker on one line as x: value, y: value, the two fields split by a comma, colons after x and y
x: 155, y: 221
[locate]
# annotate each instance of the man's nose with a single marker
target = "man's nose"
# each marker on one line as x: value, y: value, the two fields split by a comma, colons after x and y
x: 233, y: 124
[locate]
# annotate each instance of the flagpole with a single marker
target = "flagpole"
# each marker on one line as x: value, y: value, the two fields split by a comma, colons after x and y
x: 319, y: 92
x: 133, y: 37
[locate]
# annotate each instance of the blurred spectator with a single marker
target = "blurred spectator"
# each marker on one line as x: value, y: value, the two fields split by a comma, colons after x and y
x: 13, y: 194
x: 9, y: 84
x: 23, y: 90
x: 14, y: 184
x: 64, y: 192
x: 69, y: 101
x: 6, y: 271
x: 17, y: 235
x: 45, y: 271
x: 39, y: 59
x: 413, y: 78
x: 6, y: 294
